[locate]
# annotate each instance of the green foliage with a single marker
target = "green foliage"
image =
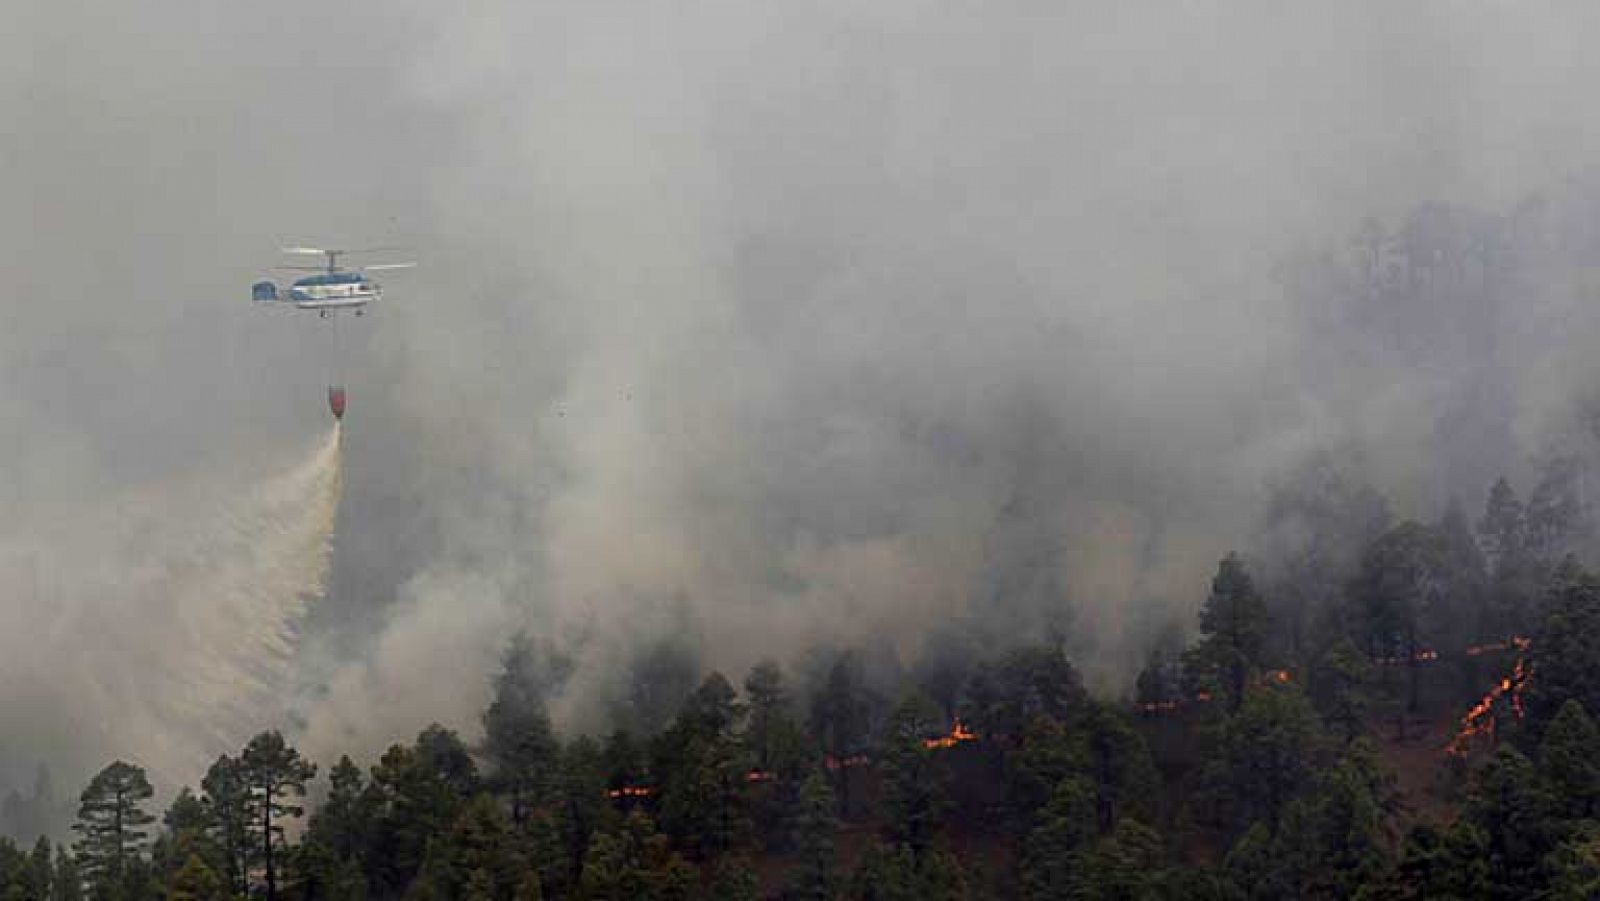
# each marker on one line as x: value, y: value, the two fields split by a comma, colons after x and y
x: 335, y: 844
x: 1341, y: 688
x: 900, y: 874
x: 1569, y: 762
x: 1566, y: 652
x: 415, y: 794
x: 1574, y: 868
x: 1509, y: 806
x: 226, y: 799
x: 67, y: 881
x: 1434, y: 863
x: 1037, y: 681
x: 634, y: 863
x: 1266, y: 756
x: 1124, y: 864
x: 1328, y: 843
x: 1065, y: 827
x: 478, y: 857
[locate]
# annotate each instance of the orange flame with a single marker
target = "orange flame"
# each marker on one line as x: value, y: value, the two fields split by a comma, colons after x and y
x: 1480, y: 719
x: 958, y: 734
x: 632, y: 791
x: 760, y: 776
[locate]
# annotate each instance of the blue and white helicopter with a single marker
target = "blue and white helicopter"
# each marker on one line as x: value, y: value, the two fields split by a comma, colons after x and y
x: 333, y: 288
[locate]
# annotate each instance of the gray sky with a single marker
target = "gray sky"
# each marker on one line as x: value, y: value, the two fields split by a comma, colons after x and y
x: 767, y: 309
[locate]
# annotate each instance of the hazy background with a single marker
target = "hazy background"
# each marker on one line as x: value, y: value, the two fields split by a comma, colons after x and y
x: 752, y: 324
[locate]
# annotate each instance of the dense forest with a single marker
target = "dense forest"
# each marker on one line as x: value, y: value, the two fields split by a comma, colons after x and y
x: 1409, y: 722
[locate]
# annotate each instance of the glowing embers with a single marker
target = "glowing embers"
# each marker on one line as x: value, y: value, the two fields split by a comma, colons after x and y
x: 1514, y: 643
x: 1421, y: 655
x: 1480, y: 720
x: 1154, y: 707
x: 632, y: 792
x: 760, y: 776
x: 846, y: 763
x: 958, y: 734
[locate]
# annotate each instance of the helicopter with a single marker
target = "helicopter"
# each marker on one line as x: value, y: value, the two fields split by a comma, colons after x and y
x: 333, y: 288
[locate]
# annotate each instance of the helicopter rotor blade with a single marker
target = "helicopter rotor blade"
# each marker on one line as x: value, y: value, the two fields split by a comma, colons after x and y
x: 311, y: 251
x: 388, y: 266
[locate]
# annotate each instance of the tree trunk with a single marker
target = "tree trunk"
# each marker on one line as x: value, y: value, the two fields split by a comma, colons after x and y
x: 266, y: 831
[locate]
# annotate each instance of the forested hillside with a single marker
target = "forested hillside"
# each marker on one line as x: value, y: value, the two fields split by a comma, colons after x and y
x: 1422, y: 733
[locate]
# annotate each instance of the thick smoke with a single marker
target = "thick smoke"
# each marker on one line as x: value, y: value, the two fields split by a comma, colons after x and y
x: 753, y: 326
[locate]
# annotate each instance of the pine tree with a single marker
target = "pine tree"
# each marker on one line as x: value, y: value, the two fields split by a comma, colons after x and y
x: 1508, y: 805
x: 1340, y: 687
x: 415, y: 794
x: 1502, y: 529
x: 478, y: 856
x: 1442, y: 864
x: 914, y: 795
x: 186, y: 833
x: 815, y: 874
x: 518, y: 742
x: 274, y: 775
x: 111, y: 821
x: 66, y: 883
x: 704, y: 792
x: 771, y: 732
x: 1399, y: 599
x: 1267, y: 754
x: 841, y: 717
x: 1118, y: 762
x: 1234, y: 623
x: 1124, y: 864
x: 41, y: 870
x: 1556, y: 516
x: 336, y: 837
x: 226, y: 798
x: 636, y: 862
x: 1052, y: 853
x: 1565, y: 653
